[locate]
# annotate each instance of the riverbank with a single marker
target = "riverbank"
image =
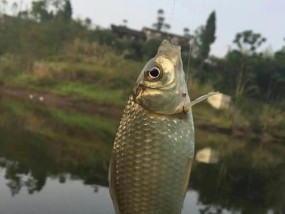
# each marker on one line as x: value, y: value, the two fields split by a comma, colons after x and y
x: 110, y: 111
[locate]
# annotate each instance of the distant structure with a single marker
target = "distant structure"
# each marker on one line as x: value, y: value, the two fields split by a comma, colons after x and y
x: 155, y: 34
x: 125, y: 32
x: 220, y: 101
x: 148, y: 33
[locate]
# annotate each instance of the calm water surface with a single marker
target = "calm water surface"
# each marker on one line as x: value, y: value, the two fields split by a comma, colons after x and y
x: 56, y: 161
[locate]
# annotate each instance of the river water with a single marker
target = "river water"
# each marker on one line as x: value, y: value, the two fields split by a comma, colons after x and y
x: 52, y: 162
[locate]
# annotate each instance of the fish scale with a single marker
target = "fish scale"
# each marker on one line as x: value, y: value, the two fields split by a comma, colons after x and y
x: 150, y: 161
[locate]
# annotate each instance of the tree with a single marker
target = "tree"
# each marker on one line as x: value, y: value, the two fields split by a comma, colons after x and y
x: 3, y: 4
x: 160, y: 21
x: 248, y: 41
x: 244, y: 71
x: 207, y: 36
x: 186, y: 32
x: 67, y: 11
x: 150, y: 48
x: 197, y: 42
x: 88, y: 22
x: 45, y: 10
x: 203, y: 38
x: 167, y: 27
x: 14, y: 8
x: 40, y: 11
x: 270, y: 77
x: 125, y: 22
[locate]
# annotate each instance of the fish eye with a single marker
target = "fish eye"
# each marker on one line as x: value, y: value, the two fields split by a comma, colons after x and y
x: 154, y: 73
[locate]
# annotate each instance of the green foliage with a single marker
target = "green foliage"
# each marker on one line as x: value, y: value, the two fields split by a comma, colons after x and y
x: 103, y: 36
x: 67, y: 11
x: 91, y: 92
x: 160, y: 24
x: 45, y: 49
x: 150, y: 48
x: 271, y: 119
x: 237, y: 74
x: 32, y: 41
x: 9, y: 65
x: 82, y: 121
x: 254, y: 76
x: 39, y: 119
x: 202, y: 40
x: 90, y: 52
x: 208, y: 36
x: 248, y: 41
x: 40, y: 11
x: 62, y: 10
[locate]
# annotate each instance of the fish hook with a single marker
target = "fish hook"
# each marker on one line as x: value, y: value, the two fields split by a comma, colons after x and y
x: 187, y: 107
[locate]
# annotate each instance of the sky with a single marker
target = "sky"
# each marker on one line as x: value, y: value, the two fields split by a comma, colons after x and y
x: 262, y: 16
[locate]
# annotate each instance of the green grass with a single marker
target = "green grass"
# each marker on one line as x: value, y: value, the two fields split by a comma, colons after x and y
x: 26, y: 113
x: 22, y: 79
x: 204, y: 113
x: 94, y: 82
x: 75, y: 89
x: 83, y: 121
x: 81, y: 80
x: 92, y: 92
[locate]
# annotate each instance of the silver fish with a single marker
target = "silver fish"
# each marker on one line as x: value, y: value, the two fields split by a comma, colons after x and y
x: 154, y: 145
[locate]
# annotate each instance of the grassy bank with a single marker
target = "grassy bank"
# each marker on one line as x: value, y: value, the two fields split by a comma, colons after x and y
x: 111, y: 84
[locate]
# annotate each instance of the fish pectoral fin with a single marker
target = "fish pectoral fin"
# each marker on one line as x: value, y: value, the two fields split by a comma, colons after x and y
x: 187, y: 107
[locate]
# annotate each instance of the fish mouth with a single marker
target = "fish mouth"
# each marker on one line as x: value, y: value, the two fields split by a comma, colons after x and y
x: 167, y: 46
x: 137, y: 91
x: 169, y: 51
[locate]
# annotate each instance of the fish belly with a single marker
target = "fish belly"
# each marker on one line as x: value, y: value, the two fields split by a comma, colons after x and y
x: 151, y: 161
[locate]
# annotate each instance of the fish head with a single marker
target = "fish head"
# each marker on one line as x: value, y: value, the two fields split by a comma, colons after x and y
x: 161, y: 87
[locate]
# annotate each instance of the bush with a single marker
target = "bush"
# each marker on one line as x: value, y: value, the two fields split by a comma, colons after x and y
x: 271, y: 119
x: 9, y: 65
x: 91, y: 52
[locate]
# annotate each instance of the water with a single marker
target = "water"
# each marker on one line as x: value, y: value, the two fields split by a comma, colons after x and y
x: 72, y: 197
x: 51, y: 162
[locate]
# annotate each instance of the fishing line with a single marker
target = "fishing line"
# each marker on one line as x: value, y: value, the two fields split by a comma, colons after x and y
x: 171, y: 18
x: 187, y: 73
x: 188, y: 65
x: 189, y: 59
x: 189, y: 53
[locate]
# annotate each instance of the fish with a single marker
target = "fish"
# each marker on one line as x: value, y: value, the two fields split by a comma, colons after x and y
x: 154, y: 145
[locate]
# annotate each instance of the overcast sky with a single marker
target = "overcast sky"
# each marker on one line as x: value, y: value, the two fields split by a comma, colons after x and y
x: 262, y: 16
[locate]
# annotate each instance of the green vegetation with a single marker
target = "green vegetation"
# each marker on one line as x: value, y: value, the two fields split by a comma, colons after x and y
x: 44, y: 116
x: 85, y: 122
x: 52, y: 143
x: 92, y: 92
x: 44, y: 49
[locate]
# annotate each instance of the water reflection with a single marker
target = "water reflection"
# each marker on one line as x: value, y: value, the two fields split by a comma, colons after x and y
x: 207, y: 155
x: 67, y: 163
x: 250, y: 177
x: 19, y: 176
x: 73, y: 197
